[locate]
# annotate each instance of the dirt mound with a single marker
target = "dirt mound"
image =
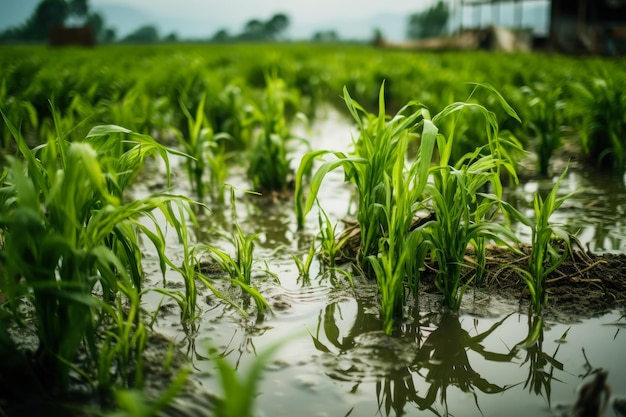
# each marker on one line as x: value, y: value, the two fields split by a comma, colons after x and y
x: 584, y: 285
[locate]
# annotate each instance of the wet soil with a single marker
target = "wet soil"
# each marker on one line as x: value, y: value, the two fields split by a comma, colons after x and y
x: 585, y: 285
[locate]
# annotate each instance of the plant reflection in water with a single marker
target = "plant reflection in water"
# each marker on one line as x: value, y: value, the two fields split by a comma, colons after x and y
x: 541, y: 365
x: 425, y: 358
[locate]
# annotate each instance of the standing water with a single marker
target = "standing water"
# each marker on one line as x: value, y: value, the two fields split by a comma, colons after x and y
x: 336, y: 361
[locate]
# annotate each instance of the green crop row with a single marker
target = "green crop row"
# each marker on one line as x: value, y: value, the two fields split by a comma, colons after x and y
x: 142, y: 88
x: 78, y: 125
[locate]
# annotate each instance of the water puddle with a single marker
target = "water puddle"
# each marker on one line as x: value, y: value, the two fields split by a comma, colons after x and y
x: 595, y: 213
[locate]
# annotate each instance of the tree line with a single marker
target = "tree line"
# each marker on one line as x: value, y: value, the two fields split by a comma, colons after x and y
x: 49, y: 14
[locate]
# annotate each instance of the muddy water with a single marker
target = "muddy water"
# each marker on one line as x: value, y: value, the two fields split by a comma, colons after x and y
x: 595, y: 213
x: 335, y: 361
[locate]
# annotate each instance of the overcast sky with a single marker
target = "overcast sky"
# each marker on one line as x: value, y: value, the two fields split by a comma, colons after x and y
x: 204, y: 17
x: 351, y: 19
x: 296, y: 9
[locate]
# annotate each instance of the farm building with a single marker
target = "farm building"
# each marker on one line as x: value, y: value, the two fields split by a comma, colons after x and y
x: 579, y: 26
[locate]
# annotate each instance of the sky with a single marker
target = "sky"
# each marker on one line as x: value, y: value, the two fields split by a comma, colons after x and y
x: 297, y: 9
x: 304, y: 15
x: 201, y: 18
x: 351, y: 19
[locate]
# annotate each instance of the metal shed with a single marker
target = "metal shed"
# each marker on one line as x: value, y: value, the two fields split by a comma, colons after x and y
x: 575, y: 26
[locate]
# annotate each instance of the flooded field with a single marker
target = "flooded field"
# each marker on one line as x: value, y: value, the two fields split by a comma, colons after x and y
x: 336, y: 361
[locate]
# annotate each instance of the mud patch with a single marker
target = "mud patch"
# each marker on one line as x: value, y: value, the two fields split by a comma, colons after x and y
x: 585, y: 285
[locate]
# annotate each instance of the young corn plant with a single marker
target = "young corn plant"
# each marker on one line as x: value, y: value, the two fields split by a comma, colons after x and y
x: 17, y: 111
x: 600, y: 113
x: 304, y: 266
x: 68, y: 235
x: 544, y: 118
x: 376, y: 152
x: 403, y: 250
x: 546, y: 239
x: 389, y: 196
x: 330, y: 245
x: 207, y: 153
x: 269, y: 164
x: 239, y: 267
x: 453, y: 198
x: 462, y: 210
x: 135, y: 403
x: 239, y: 390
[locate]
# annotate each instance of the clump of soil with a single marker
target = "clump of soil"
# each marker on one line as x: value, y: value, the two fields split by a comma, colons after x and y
x: 584, y: 285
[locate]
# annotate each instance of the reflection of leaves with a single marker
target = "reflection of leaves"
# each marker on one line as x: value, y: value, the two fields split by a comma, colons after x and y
x: 330, y: 326
x: 541, y: 365
x: 395, y: 393
x: 441, y: 358
x: 444, y: 355
x: 363, y: 323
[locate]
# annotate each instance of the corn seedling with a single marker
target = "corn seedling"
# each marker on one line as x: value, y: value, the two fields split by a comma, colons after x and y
x: 376, y: 153
x: 59, y: 277
x: 207, y: 154
x: 304, y: 266
x: 68, y: 236
x: 546, y: 239
x: 230, y: 113
x: 461, y: 210
x: 17, y: 111
x: 240, y: 267
x: 239, y: 390
x: 330, y: 246
x: 600, y: 111
x: 389, y: 194
x: 544, y: 118
x: 269, y: 165
x: 138, y: 110
x: 403, y: 249
x: 134, y: 403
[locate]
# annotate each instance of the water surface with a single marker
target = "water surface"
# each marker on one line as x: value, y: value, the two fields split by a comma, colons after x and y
x: 337, y: 362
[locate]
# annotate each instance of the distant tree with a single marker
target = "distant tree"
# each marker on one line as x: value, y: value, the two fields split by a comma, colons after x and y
x: 48, y: 14
x: 257, y: 30
x: 145, y: 34
x: 430, y: 23
x: 379, y: 38
x: 78, y: 8
x: 109, y: 35
x: 325, y: 36
x: 254, y: 30
x: 172, y: 37
x: 221, y: 35
x: 54, y: 13
x: 277, y: 25
x: 96, y: 21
